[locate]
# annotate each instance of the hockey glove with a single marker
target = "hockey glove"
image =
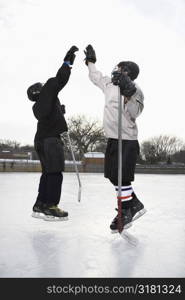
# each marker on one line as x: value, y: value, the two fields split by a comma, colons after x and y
x: 90, y: 55
x: 127, y: 86
x: 70, y: 56
x: 115, y: 77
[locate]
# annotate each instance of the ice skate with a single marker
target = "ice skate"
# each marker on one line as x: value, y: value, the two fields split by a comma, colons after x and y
x: 54, y: 213
x: 137, y: 208
x: 38, y: 211
x: 126, y: 218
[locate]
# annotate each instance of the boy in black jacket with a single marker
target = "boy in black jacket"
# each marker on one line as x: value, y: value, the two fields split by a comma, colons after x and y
x: 48, y: 145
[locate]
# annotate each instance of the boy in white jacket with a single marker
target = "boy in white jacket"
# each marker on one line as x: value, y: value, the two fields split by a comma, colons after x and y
x: 123, y: 76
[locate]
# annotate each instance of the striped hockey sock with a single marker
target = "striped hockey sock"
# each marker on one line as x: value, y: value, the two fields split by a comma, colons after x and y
x: 126, y: 193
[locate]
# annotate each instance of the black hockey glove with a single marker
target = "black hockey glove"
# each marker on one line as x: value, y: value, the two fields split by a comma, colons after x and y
x: 90, y: 55
x: 70, y: 56
x: 115, y: 77
x: 127, y: 86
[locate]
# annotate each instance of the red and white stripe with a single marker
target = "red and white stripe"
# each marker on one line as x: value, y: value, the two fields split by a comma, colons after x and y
x: 126, y: 192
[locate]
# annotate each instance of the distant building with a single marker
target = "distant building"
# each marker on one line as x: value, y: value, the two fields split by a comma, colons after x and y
x: 12, y: 154
x: 93, y: 162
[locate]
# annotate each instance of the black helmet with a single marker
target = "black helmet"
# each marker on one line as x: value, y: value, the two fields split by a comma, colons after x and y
x: 34, y: 90
x: 131, y: 67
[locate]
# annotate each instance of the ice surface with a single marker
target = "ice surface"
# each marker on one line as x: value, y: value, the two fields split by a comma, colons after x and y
x: 83, y: 246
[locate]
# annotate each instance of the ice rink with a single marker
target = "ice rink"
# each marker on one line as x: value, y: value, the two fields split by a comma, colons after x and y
x: 83, y: 246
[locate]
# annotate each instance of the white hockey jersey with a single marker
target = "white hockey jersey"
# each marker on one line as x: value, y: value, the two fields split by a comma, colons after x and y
x: 131, y: 109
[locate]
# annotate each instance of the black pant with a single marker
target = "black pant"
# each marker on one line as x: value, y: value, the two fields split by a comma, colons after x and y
x: 50, y: 189
x: 130, y: 151
x: 51, y: 155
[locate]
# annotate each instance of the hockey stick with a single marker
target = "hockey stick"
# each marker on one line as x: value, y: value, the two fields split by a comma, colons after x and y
x: 120, y: 108
x: 127, y: 236
x: 76, y: 168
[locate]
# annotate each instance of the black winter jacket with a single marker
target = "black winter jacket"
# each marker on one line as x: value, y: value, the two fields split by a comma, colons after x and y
x: 47, y: 109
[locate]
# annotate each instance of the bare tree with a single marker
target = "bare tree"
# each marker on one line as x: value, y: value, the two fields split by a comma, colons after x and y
x: 160, y: 148
x: 179, y: 156
x: 86, y: 135
x: 9, y: 145
x: 148, y: 152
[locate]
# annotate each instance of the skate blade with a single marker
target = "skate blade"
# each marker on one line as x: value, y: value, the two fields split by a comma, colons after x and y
x: 54, y: 219
x: 139, y: 214
x: 37, y: 215
x: 126, y: 227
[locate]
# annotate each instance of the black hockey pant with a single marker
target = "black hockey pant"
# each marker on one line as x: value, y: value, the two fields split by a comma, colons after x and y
x: 50, y: 188
x: 51, y: 155
x: 130, y: 151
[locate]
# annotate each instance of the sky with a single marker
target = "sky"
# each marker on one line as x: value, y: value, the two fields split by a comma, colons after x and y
x: 36, y: 34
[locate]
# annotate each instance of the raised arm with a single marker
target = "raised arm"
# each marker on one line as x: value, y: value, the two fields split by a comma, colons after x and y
x: 53, y: 86
x: 63, y: 73
x: 95, y: 76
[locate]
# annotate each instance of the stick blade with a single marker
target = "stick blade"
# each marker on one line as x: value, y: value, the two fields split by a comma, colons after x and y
x: 79, y: 194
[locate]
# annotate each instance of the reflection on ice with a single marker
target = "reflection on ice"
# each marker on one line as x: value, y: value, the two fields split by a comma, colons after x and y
x: 130, y: 238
